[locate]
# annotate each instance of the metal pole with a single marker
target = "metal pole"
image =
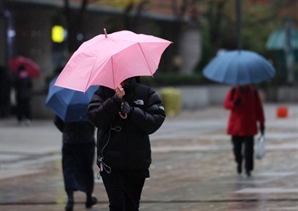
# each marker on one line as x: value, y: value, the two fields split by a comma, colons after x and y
x: 289, y: 51
x: 239, y: 23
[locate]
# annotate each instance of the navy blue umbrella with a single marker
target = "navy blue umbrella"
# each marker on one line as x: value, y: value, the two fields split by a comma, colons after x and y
x: 69, y: 105
x: 239, y: 67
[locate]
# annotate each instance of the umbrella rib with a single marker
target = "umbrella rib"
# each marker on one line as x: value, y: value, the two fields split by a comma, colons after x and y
x: 89, y: 78
x: 226, y: 73
x: 113, y: 71
x: 145, y: 58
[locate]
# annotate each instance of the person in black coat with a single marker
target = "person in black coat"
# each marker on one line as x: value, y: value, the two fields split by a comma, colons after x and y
x: 78, y: 151
x: 6, y: 83
x: 23, y: 85
x: 125, y: 117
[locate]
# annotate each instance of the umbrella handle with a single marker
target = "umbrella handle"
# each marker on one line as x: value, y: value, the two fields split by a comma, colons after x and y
x: 105, y: 31
x: 123, y: 117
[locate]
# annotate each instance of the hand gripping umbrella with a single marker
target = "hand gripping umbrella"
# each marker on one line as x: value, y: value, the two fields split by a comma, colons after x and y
x: 107, y: 60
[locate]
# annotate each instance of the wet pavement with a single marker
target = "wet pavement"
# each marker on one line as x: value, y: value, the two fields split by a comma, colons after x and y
x: 193, y: 167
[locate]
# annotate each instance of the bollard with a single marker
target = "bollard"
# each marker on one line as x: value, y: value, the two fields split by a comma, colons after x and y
x: 171, y: 99
x: 282, y: 112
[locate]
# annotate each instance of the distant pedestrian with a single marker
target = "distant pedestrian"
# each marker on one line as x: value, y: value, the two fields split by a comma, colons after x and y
x: 78, y: 151
x: 246, y: 114
x: 6, y: 83
x: 125, y: 117
x: 23, y: 86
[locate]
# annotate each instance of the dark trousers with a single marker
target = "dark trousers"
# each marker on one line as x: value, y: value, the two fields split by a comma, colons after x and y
x: 248, y: 143
x: 23, y: 109
x: 124, y: 191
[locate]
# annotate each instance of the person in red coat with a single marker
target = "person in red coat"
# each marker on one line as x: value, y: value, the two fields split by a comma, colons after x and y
x: 245, y: 117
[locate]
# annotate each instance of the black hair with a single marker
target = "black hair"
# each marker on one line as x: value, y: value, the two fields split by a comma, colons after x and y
x: 138, y: 79
x: 21, y: 68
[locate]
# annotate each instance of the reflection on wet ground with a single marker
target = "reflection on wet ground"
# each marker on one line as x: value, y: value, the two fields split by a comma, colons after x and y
x: 193, y: 167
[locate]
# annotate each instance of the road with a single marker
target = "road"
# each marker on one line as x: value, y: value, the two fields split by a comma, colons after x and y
x: 192, y: 170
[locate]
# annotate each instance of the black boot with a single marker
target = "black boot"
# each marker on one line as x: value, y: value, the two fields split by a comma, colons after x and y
x: 90, y: 201
x: 69, y: 206
x: 70, y: 200
x: 239, y: 168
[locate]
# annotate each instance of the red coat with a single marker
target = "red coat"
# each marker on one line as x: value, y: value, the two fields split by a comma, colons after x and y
x: 244, y: 117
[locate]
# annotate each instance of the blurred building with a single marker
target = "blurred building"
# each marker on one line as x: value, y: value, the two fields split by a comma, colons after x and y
x: 29, y: 25
x: 279, y: 43
x: 48, y: 32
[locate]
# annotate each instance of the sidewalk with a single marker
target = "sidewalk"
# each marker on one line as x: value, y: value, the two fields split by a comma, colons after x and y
x: 192, y: 170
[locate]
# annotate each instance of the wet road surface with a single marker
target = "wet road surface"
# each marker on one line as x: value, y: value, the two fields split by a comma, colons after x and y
x: 193, y: 167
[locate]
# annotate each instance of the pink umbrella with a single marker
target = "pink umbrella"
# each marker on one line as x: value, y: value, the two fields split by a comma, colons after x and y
x: 107, y: 60
x: 30, y: 66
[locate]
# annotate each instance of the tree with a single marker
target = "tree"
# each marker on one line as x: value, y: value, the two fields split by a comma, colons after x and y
x: 259, y: 18
x: 181, y: 10
x: 211, y: 30
x: 214, y: 15
x: 131, y: 18
x: 74, y: 23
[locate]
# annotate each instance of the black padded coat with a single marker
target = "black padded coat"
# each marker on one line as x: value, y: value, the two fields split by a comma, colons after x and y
x: 124, y: 144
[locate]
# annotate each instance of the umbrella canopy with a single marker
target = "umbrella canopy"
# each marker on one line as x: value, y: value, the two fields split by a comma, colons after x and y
x: 69, y: 105
x: 31, y: 67
x: 239, y: 68
x: 108, y: 60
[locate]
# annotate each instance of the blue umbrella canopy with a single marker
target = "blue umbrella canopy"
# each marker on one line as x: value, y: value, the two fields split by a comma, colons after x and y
x: 69, y: 105
x: 239, y: 67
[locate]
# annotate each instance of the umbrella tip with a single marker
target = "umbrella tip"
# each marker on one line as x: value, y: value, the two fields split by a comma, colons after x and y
x: 105, y: 31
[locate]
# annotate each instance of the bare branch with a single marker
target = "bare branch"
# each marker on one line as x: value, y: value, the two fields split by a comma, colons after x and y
x: 175, y: 8
x: 183, y: 8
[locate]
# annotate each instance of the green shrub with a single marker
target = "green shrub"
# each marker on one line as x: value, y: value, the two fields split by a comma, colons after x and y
x: 173, y: 79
